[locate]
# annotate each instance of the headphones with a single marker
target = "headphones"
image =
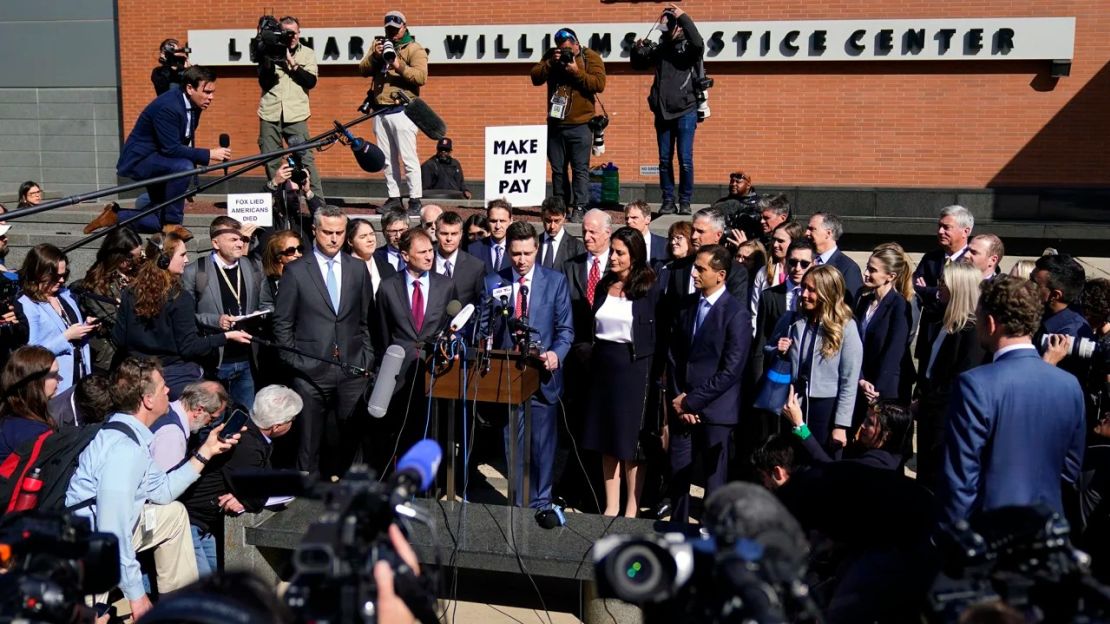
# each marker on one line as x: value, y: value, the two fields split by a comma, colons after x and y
x: 163, y: 259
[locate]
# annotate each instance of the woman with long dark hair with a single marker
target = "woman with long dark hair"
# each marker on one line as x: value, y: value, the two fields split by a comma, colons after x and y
x: 624, y: 344
x: 29, y: 379
x: 30, y: 194
x: 883, y: 440
x: 54, y: 320
x: 117, y: 260
x: 774, y: 272
x: 157, y: 318
x: 282, y: 247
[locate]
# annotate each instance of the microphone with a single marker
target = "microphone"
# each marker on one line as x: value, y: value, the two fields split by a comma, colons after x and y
x: 453, y: 307
x: 225, y: 141
x: 524, y: 302
x: 416, y: 470
x: 502, y: 294
x: 387, y: 381
x: 426, y: 119
x: 368, y: 156
x: 462, y: 317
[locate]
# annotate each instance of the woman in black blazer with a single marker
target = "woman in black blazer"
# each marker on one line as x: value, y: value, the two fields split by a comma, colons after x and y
x: 955, y: 350
x: 883, y: 315
x: 624, y: 344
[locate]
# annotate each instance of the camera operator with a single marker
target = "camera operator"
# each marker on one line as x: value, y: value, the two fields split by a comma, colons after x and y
x: 173, y: 60
x: 674, y: 97
x: 396, y: 64
x: 283, y: 109
x: 574, y: 76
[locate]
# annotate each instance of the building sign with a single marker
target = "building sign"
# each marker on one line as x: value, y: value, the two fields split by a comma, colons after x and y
x: 1001, y: 38
x: 516, y: 164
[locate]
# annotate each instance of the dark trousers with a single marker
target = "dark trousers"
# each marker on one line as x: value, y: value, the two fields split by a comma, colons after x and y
x: 180, y: 374
x: 544, y: 437
x: 706, y: 443
x: 335, y: 396
x: 570, y: 146
x: 158, y: 165
x: 820, y: 414
x: 670, y: 133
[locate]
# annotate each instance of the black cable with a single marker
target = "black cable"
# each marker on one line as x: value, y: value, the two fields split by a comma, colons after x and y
x: 581, y: 464
x: 404, y: 421
x: 510, y: 539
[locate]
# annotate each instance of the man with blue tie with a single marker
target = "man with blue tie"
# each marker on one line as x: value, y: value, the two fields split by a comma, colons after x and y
x: 492, y: 250
x: 541, y: 298
x: 1015, y: 429
x: 711, y: 336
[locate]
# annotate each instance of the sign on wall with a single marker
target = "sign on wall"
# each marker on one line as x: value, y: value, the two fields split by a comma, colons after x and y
x: 996, y: 38
x: 516, y: 164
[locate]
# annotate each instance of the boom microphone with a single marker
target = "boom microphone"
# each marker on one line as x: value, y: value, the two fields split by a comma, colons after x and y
x: 368, y: 156
x: 422, y: 115
x: 225, y: 141
x: 462, y: 317
x: 387, y: 381
x: 416, y: 470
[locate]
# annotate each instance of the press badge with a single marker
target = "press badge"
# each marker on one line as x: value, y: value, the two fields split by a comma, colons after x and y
x: 558, y: 107
x: 149, y: 522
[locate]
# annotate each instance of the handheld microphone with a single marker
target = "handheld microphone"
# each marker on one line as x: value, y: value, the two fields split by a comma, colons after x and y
x: 462, y: 317
x: 524, y: 302
x: 502, y: 294
x: 416, y: 470
x: 368, y: 156
x: 387, y: 381
x: 225, y: 141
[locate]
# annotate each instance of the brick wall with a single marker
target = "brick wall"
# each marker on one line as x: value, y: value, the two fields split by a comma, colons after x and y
x: 885, y: 124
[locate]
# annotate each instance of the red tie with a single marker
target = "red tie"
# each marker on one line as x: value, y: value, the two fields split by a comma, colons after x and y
x: 417, y: 305
x: 520, y: 298
x: 591, y: 282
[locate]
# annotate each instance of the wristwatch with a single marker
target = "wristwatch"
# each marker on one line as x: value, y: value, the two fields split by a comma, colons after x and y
x: 200, y: 458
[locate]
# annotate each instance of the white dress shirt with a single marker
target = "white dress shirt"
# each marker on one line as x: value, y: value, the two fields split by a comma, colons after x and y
x: 425, y: 286
x: 516, y: 289
x: 441, y: 263
x: 555, y: 242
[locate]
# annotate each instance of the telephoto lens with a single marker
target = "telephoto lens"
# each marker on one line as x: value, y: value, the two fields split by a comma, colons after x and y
x: 389, y: 53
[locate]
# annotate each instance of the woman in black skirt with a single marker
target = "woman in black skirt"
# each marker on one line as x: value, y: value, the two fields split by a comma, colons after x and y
x: 624, y: 345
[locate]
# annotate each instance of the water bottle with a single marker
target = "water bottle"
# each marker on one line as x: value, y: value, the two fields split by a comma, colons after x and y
x: 29, y: 491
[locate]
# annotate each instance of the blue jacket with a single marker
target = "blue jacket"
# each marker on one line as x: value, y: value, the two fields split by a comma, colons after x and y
x: 160, y: 129
x: 549, y: 313
x: 1015, y: 432
x: 46, y: 329
x: 708, y: 366
x: 886, y: 343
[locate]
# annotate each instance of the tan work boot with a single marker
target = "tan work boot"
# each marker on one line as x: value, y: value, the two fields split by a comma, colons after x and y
x: 177, y: 230
x: 108, y: 217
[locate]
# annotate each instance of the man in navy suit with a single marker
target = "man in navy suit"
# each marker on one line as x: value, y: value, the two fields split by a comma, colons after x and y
x: 710, y: 340
x: 388, y: 258
x: 1015, y: 428
x: 492, y: 250
x: 161, y: 143
x: 540, y: 296
x: 556, y: 244
x: 466, y: 271
x: 825, y: 230
x: 637, y: 215
x: 953, y: 231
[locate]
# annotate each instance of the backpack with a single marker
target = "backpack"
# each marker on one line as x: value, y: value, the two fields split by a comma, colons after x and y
x: 56, y: 453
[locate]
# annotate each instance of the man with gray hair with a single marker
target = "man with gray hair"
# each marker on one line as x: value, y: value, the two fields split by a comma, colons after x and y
x: 214, y: 495
x: 825, y: 229
x: 953, y: 231
x: 201, y: 404
x: 584, y: 271
x: 709, y: 229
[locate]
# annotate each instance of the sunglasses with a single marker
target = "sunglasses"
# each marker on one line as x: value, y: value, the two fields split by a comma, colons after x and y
x: 564, y: 35
x: 794, y: 262
x: 289, y: 251
x: 429, y: 224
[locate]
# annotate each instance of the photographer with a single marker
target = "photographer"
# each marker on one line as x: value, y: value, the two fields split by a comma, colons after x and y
x: 574, y: 76
x: 173, y: 60
x: 675, y: 93
x: 287, y: 197
x: 397, y: 64
x: 283, y: 109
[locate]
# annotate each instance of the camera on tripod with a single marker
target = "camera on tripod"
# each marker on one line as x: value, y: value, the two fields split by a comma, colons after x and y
x: 272, y: 41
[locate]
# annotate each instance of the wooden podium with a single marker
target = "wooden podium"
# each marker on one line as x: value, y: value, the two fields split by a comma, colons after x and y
x: 512, y: 379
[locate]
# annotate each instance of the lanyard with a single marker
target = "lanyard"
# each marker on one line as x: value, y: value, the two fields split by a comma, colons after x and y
x: 235, y: 290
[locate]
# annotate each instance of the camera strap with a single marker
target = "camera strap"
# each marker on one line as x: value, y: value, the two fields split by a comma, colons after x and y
x: 597, y: 96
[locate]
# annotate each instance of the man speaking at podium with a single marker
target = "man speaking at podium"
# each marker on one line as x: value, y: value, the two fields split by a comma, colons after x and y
x: 530, y: 297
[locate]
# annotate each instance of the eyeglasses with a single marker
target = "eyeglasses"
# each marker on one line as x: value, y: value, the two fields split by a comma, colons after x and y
x: 289, y: 251
x: 395, y: 232
x: 794, y: 262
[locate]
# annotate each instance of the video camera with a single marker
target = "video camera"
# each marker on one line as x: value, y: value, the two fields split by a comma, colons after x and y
x: 174, y: 57
x: 51, y: 562
x: 272, y: 41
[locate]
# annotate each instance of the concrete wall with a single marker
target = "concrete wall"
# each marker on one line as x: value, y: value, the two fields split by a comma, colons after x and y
x: 59, y: 105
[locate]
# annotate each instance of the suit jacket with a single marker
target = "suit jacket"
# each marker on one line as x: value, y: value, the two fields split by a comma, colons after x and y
x: 930, y: 269
x: 469, y: 275
x: 385, y: 267
x: 481, y: 249
x: 772, y: 307
x: 160, y: 129
x: 708, y: 366
x: 549, y: 311
x: 570, y: 247
x: 210, y: 303
x: 885, y: 343
x: 62, y: 409
x: 836, y: 376
x: 853, y: 278
x: 395, y: 324
x: 577, y: 275
x: 304, y: 318
x: 47, y: 330
x: 645, y: 336
x: 658, y: 249
x: 678, y: 279
x: 1015, y: 430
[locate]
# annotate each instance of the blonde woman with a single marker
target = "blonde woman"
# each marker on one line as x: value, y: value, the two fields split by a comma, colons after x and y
x: 825, y: 353
x: 1023, y: 269
x: 884, y: 317
x: 955, y: 350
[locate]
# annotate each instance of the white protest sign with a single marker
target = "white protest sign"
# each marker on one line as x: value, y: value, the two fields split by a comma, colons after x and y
x: 516, y: 164
x: 251, y: 208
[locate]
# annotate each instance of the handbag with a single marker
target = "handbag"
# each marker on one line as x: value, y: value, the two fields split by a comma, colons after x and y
x: 774, y: 388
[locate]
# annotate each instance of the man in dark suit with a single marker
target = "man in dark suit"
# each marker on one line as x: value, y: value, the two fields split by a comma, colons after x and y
x: 1015, y: 427
x: 825, y: 229
x: 584, y: 271
x: 160, y: 144
x: 556, y: 244
x: 709, y: 229
x: 466, y: 271
x: 542, y: 296
x: 491, y: 250
x: 412, y: 309
x: 711, y: 336
x: 953, y: 230
x: 637, y: 215
x: 321, y: 309
x: 388, y: 258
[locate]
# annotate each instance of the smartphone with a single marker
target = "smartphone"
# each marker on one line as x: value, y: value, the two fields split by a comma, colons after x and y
x: 234, y: 423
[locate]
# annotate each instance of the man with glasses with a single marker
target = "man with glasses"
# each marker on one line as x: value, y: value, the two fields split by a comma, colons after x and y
x: 389, y: 260
x: 226, y: 286
x: 574, y: 75
x: 283, y: 109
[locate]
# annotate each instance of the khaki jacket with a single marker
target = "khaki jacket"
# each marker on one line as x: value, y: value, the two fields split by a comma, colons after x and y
x: 286, y: 100
x: 413, y: 74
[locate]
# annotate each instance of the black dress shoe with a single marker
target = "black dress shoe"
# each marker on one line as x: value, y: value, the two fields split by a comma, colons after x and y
x: 414, y: 207
x: 684, y: 209
x: 575, y: 214
x: 393, y: 203
x: 667, y: 208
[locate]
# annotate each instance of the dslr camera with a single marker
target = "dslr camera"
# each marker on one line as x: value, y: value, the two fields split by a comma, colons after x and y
x: 389, y: 51
x: 272, y: 41
x: 598, y: 124
x: 566, y: 57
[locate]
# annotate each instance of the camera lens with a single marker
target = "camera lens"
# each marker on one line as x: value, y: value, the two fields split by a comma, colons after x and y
x: 636, y: 574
